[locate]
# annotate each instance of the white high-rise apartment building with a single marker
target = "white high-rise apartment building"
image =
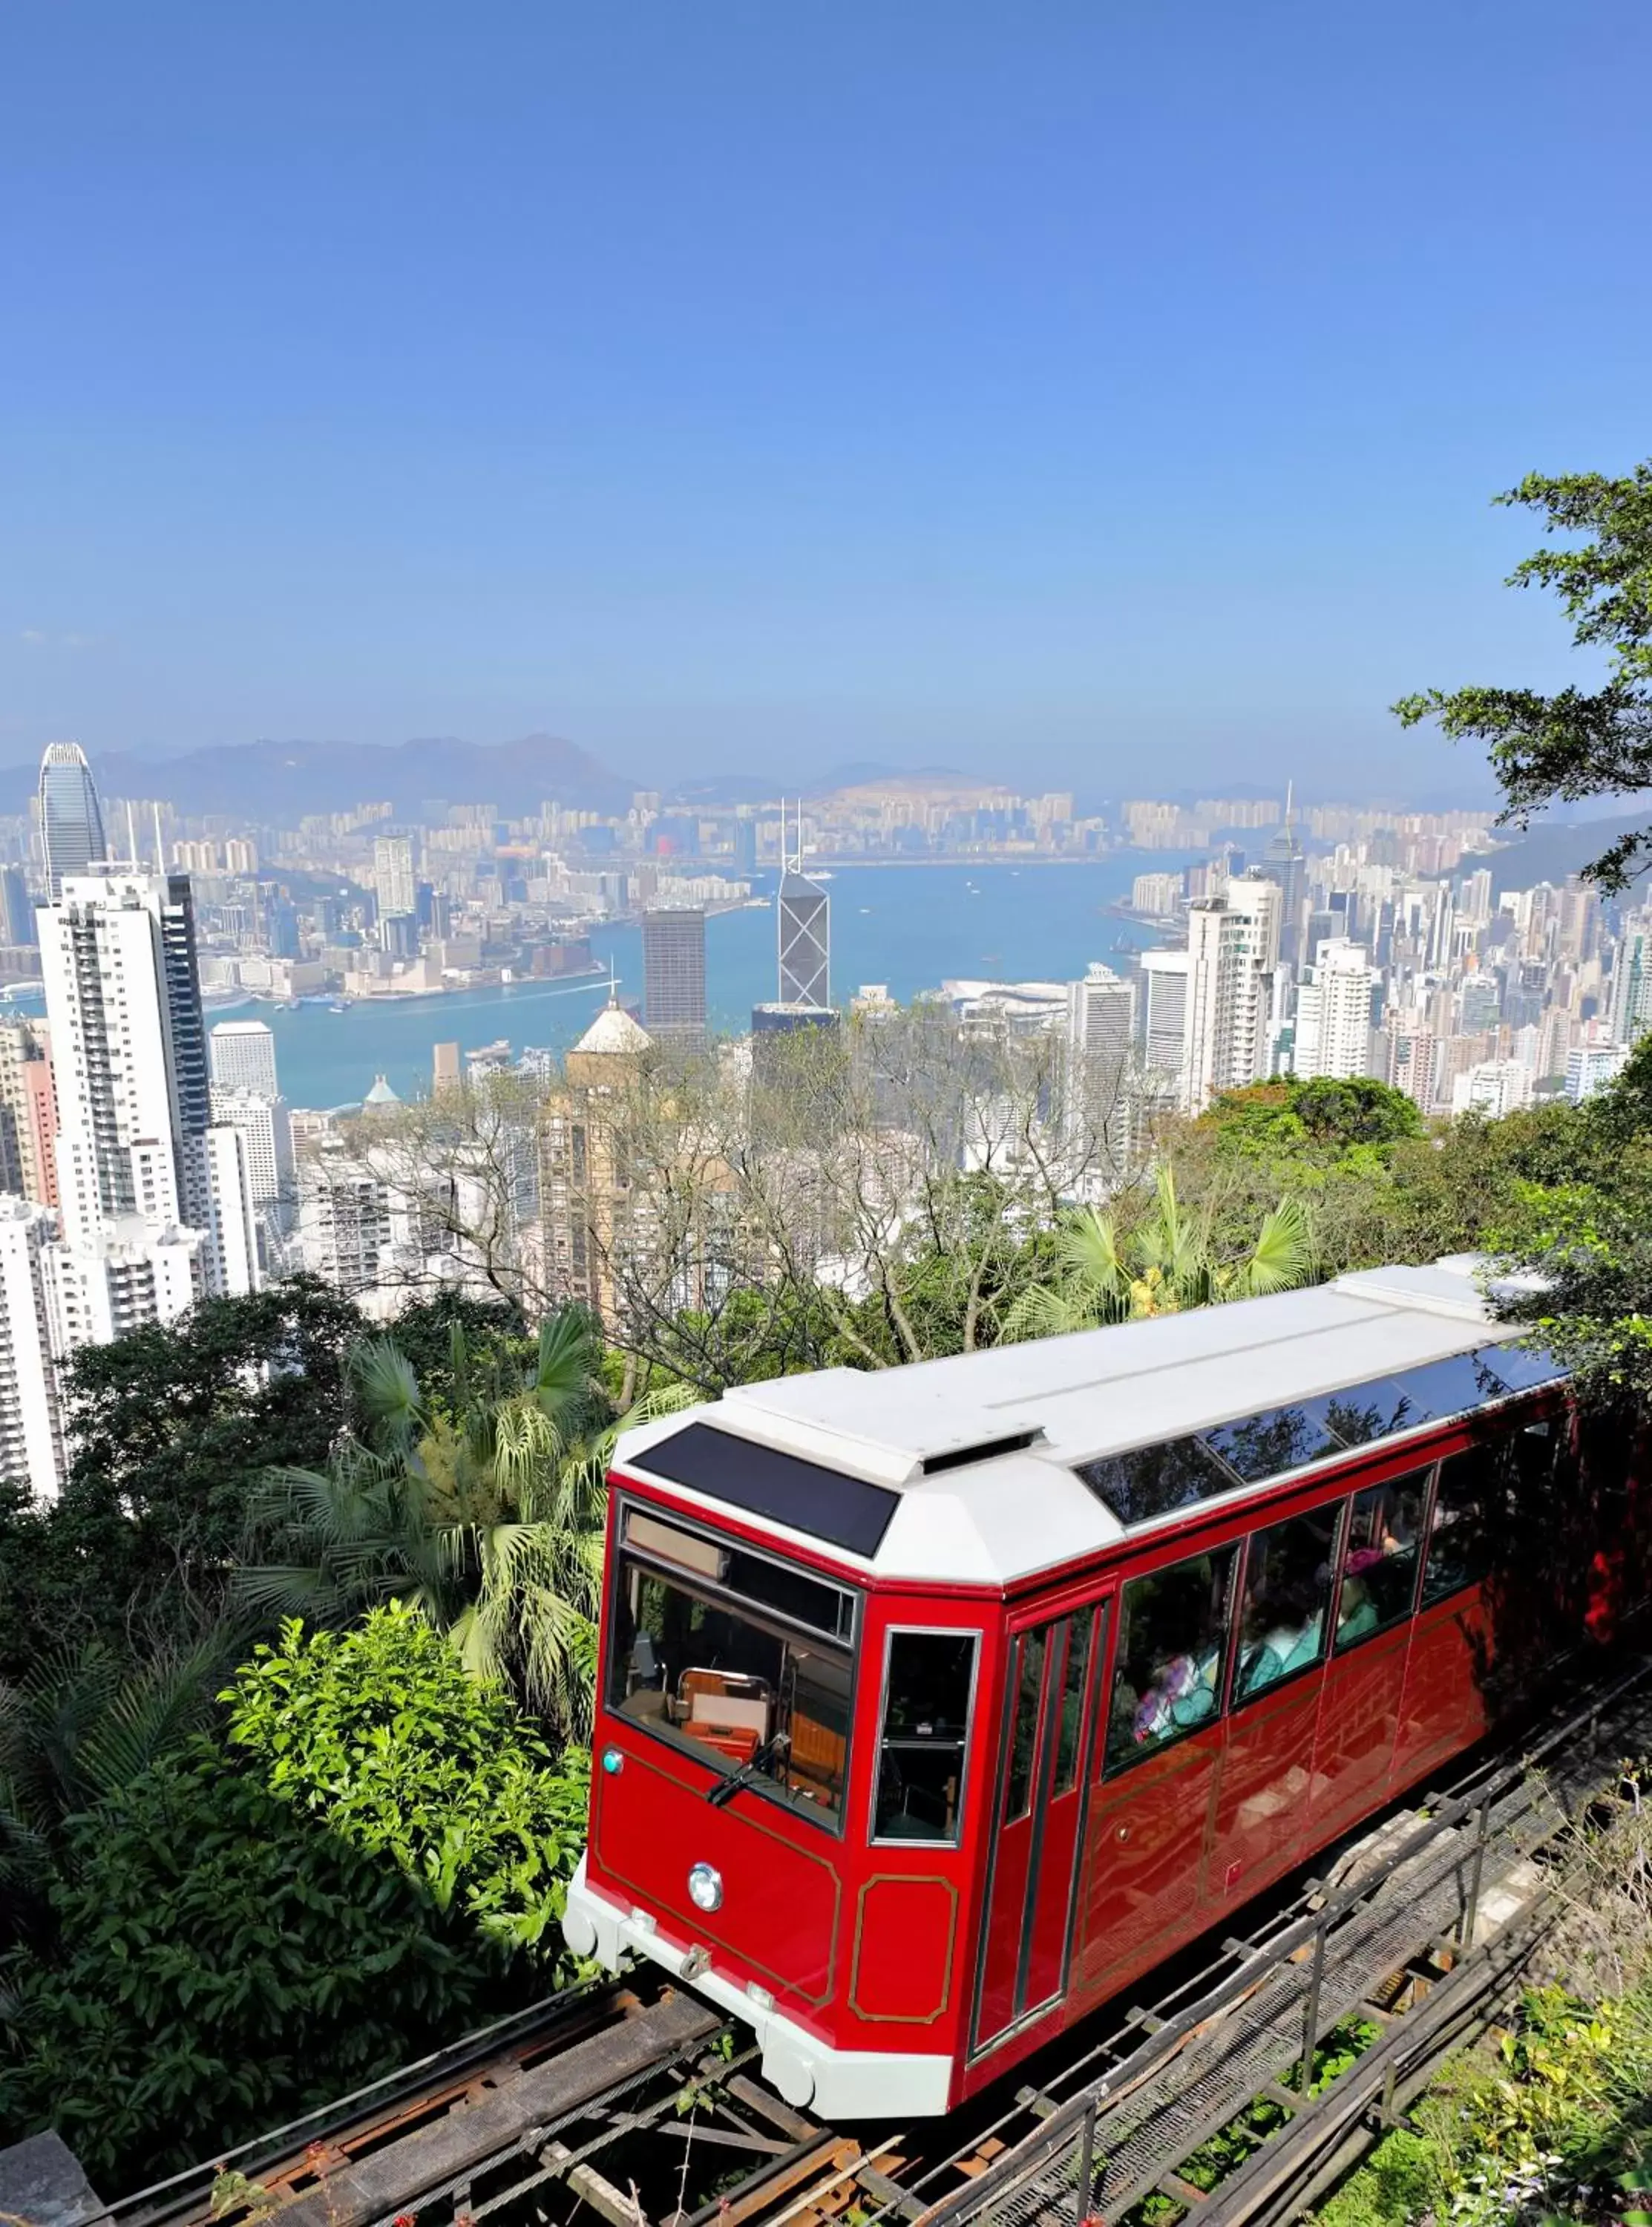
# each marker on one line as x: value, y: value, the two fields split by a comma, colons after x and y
x: 135, y: 1155
x: 264, y: 1125
x: 31, y: 1434
x: 1631, y: 983
x: 133, y: 1271
x: 392, y: 877
x: 1233, y: 950
x: 1590, y: 1068
x: 1493, y: 1086
x: 1164, y: 1021
x: 243, y: 1057
x: 1100, y: 1046
x: 1334, y: 1013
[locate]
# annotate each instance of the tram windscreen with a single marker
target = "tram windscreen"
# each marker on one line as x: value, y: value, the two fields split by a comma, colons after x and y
x: 743, y: 1659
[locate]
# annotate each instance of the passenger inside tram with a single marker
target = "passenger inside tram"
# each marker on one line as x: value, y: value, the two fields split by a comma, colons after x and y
x: 1380, y: 1561
x: 1287, y: 1581
x: 1170, y: 1653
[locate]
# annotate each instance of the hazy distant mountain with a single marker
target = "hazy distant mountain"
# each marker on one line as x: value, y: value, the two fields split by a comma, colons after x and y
x: 275, y: 783
x: 1549, y: 853
x: 713, y: 788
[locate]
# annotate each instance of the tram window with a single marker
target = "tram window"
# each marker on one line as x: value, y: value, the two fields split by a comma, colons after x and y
x: 1024, y: 1734
x: 1152, y: 1481
x: 1437, y: 1389
x: 1280, y: 1440
x: 1468, y: 1516
x: 731, y: 1686
x: 1522, y: 1367
x: 926, y: 1735
x: 1172, y: 1645
x: 1380, y: 1557
x: 1287, y: 1591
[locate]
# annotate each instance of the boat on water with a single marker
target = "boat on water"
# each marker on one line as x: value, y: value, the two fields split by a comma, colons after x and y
x: 342, y: 1007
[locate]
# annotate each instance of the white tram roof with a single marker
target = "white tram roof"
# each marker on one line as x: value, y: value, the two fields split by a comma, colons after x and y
x: 974, y: 1461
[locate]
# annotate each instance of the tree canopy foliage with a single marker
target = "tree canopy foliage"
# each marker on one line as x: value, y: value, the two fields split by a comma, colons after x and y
x: 1580, y: 741
x: 367, y: 1858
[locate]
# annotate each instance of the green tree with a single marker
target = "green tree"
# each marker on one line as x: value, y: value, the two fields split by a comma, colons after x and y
x: 224, y: 1963
x: 1582, y: 742
x: 379, y: 1735
x: 1582, y: 1220
x: 1322, y: 1117
x: 366, y: 1860
x: 172, y: 1426
x: 485, y: 1516
x: 82, y: 1724
x: 1168, y: 1261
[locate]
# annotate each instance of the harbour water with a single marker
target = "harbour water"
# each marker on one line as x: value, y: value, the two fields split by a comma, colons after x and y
x: 911, y: 927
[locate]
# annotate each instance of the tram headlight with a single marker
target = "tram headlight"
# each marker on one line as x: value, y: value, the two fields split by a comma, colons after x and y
x: 706, y: 1887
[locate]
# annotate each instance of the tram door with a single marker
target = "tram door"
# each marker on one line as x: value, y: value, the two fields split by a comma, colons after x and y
x: 1049, y: 1707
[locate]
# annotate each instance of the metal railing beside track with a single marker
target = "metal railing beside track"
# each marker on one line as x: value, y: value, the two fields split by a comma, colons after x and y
x: 1466, y: 1885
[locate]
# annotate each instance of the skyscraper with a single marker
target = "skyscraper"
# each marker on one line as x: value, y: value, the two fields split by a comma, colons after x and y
x: 1285, y: 864
x: 392, y: 874
x: 804, y: 920
x: 1100, y: 1042
x: 31, y: 1435
x: 673, y: 975
x: 27, y: 1112
x: 1164, y: 1023
x: 1631, y: 983
x: 1233, y: 948
x: 71, y: 826
x: 123, y: 995
x: 1334, y: 1013
x: 243, y: 1057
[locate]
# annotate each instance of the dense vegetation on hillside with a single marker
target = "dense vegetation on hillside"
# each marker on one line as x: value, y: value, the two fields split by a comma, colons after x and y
x: 287, y: 1537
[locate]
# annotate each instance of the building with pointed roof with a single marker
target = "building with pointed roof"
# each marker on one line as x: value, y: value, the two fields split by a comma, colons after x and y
x: 586, y: 1193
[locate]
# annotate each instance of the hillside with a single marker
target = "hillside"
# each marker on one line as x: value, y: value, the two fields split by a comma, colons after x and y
x: 1550, y: 853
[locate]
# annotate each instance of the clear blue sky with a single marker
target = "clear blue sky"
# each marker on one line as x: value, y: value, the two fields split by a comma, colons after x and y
x: 1097, y: 390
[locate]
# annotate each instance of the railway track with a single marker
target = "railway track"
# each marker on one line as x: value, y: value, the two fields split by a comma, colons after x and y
x: 635, y: 2103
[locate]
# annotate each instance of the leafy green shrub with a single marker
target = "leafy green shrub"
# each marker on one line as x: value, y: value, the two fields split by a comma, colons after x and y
x: 223, y: 1964
x: 370, y: 1861
x: 379, y: 1733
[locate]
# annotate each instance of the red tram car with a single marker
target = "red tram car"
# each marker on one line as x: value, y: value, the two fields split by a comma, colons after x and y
x: 937, y: 1705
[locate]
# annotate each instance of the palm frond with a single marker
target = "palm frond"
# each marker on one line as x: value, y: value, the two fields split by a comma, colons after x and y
x: 387, y: 1388
x: 1282, y: 1256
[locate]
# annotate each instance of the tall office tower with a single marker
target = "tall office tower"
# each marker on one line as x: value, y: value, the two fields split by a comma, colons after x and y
x: 674, y: 976
x: 28, y: 1165
x: 1164, y: 1021
x: 243, y: 1057
x: 31, y: 1433
x: 393, y: 878
x: 1479, y: 1004
x: 123, y: 994
x: 1334, y: 1013
x: 804, y: 916
x: 18, y: 907
x: 1233, y: 948
x: 71, y: 825
x: 1285, y: 864
x: 1100, y: 1043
